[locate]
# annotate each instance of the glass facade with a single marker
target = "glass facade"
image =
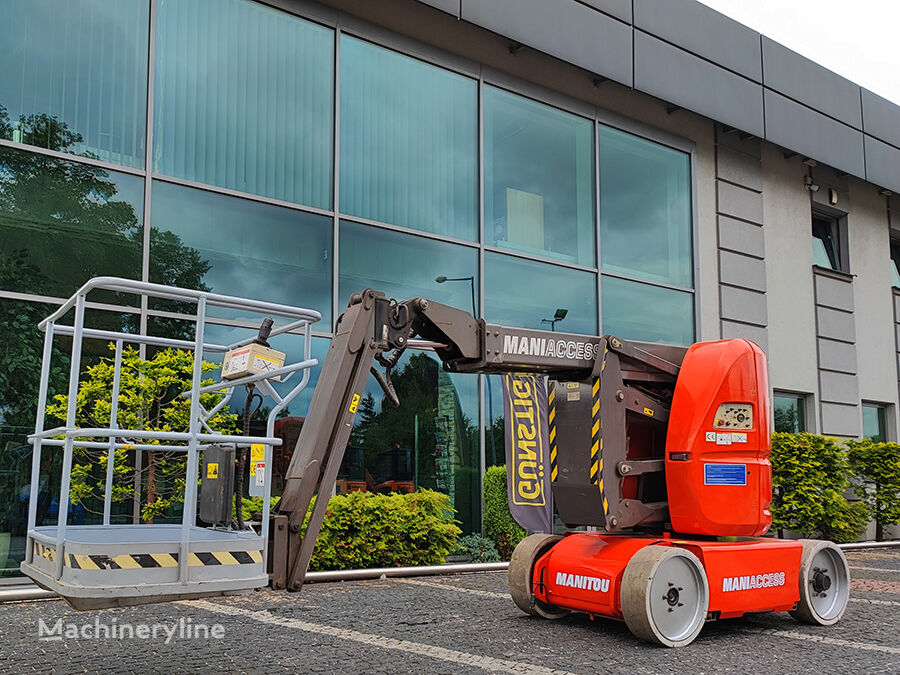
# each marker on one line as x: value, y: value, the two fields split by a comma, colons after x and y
x: 527, y: 293
x: 74, y: 76
x: 408, y: 142
x: 243, y: 99
x: 64, y: 222
x: 538, y: 179
x: 218, y: 243
x: 247, y: 196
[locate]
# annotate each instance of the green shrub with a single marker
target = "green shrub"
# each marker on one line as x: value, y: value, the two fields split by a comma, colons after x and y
x: 253, y: 506
x: 811, y: 474
x: 499, y: 525
x: 479, y: 549
x: 365, y: 529
x: 878, y: 464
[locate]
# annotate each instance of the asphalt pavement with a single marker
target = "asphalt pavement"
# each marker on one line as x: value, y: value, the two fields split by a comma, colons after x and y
x: 449, y: 624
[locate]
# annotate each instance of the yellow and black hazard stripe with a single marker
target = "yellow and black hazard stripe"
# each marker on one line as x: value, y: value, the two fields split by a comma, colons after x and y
x: 131, y: 561
x: 551, y: 419
x: 597, y: 442
x: 42, y: 551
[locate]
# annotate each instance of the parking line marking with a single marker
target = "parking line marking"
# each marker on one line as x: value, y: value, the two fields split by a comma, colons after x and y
x: 797, y: 635
x: 475, y: 660
x: 451, y: 587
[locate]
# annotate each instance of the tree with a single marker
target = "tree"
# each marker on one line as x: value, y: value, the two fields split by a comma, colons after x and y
x: 149, y: 398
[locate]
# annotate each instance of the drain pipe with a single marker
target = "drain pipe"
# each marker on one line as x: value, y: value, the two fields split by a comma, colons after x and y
x: 420, y: 571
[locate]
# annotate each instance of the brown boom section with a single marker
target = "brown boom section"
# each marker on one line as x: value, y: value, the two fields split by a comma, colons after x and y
x: 600, y: 480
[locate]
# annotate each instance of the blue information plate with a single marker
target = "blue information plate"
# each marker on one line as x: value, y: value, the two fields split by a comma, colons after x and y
x: 724, y: 474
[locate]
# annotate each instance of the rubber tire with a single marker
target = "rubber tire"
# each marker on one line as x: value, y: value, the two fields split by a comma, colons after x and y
x: 521, y: 565
x: 806, y: 612
x: 635, y: 594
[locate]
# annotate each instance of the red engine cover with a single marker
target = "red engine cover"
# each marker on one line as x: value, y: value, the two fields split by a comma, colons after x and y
x: 718, y: 475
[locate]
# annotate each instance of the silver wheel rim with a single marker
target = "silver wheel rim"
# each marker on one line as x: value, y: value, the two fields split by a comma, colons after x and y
x: 827, y: 584
x: 677, y: 598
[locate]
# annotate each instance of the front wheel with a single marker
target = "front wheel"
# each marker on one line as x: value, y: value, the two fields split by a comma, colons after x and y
x: 519, y: 575
x: 665, y: 595
x: 824, y: 583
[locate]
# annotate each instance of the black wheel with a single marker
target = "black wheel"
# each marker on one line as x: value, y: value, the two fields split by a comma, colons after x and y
x: 525, y: 555
x: 824, y: 583
x: 665, y: 595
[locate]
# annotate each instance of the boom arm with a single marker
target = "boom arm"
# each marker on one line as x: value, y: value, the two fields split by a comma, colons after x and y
x: 375, y: 328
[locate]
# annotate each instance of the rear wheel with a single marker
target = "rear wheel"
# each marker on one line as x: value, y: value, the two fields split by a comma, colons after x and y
x: 519, y: 576
x: 665, y: 595
x: 824, y: 583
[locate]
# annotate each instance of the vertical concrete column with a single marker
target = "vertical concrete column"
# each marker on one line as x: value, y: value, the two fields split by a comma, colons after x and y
x: 739, y: 212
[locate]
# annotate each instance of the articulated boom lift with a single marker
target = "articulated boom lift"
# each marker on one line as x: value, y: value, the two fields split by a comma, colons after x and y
x: 664, y: 450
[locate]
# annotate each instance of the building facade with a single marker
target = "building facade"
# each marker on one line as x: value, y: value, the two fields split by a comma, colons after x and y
x: 659, y: 172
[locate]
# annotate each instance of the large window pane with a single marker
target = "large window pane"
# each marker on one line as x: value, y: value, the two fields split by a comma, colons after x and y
x: 642, y: 312
x: 430, y: 441
x: 62, y: 223
x: 244, y: 99
x: 525, y: 293
x: 408, y: 142
x: 539, y: 179
x: 404, y: 266
x: 74, y: 76
x: 645, y: 209
x: 873, y: 422
x: 208, y: 241
x: 789, y: 411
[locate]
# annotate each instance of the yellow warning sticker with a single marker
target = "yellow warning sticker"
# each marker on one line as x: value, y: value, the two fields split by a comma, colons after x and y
x: 354, y: 403
x: 648, y: 412
x: 212, y: 470
x: 257, y: 452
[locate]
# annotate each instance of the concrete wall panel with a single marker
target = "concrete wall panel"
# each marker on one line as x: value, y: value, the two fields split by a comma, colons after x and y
x: 760, y: 336
x: 449, y: 6
x: 795, y: 126
x: 743, y: 305
x: 565, y: 29
x: 882, y: 164
x: 881, y: 118
x: 737, y: 167
x: 839, y: 388
x: 740, y: 202
x: 621, y: 9
x: 676, y: 76
x: 837, y: 356
x: 702, y: 31
x: 836, y: 325
x: 736, y: 235
x: 841, y: 420
x: 803, y: 80
x: 740, y: 270
x: 834, y: 293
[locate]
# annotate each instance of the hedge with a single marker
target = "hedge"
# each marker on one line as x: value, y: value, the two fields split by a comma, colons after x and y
x: 365, y: 529
x: 499, y: 525
x: 878, y: 465
x: 811, y: 476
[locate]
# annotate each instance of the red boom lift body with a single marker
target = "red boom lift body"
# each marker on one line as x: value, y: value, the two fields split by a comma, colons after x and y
x: 662, y: 452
